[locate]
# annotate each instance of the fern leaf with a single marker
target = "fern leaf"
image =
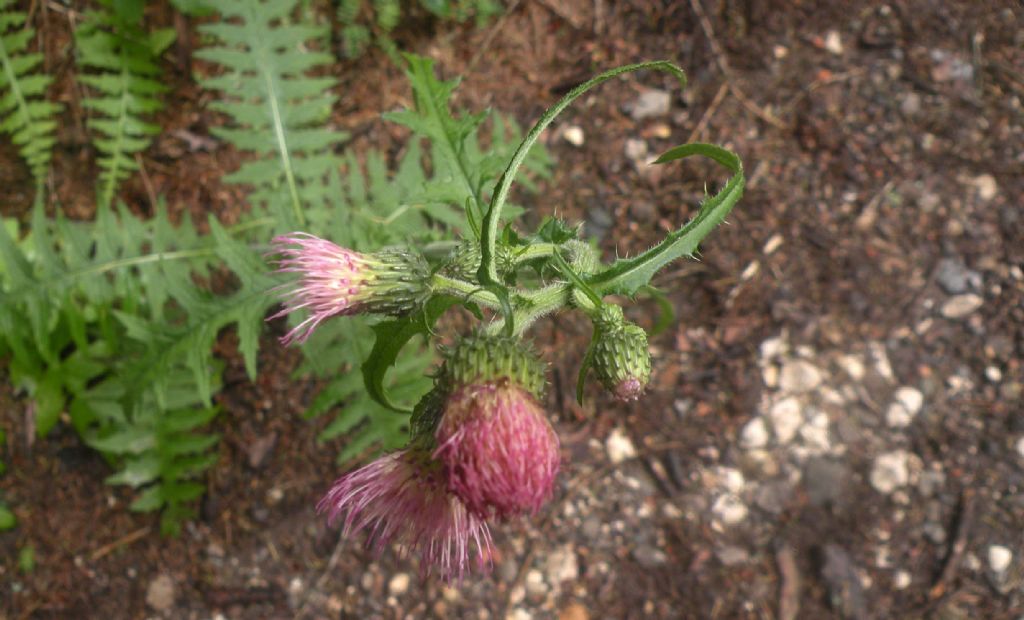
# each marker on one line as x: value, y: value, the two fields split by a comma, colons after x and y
x: 124, y: 78
x: 278, y: 110
x: 24, y: 112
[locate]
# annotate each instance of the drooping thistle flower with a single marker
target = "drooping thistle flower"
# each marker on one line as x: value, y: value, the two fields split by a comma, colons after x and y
x: 621, y: 358
x: 336, y: 281
x: 403, y: 498
x: 499, y: 451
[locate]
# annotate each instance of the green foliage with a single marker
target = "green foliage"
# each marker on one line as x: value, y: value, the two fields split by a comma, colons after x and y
x: 121, y: 59
x: 24, y: 112
x: 371, y: 21
x: 103, y: 321
x: 279, y: 112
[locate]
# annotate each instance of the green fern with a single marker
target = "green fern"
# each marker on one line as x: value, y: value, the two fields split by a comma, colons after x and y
x: 119, y: 337
x: 125, y: 77
x: 279, y: 112
x: 383, y: 16
x: 24, y: 113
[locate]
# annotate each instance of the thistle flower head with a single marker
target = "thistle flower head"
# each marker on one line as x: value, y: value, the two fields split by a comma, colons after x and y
x: 403, y: 498
x: 499, y: 451
x: 336, y: 281
x: 621, y: 358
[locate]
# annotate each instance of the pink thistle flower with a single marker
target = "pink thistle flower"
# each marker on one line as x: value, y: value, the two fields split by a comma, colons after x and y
x: 336, y: 281
x: 403, y: 498
x: 499, y: 451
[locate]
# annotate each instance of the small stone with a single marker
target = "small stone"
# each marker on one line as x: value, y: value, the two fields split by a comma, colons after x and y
x: 961, y: 306
x: 853, y: 366
x: 535, y: 586
x: 619, y: 446
x: 999, y: 558
x: 993, y: 374
x: 732, y: 555
x: 910, y: 398
x: 574, y: 611
x: 815, y: 433
x: 986, y: 186
x: 890, y: 471
x: 953, y: 276
x: 1020, y: 447
x: 260, y: 449
x: 770, y: 374
x: 573, y: 134
x: 730, y: 479
x: 773, y: 348
x: 636, y: 150
x: 911, y: 104
x: 901, y: 580
x: 934, y: 532
x: 773, y: 243
x: 651, y: 103
x: 519, y: 614
x: 649, y: 556
x: 729, y: 509
x: 561, y: 565
x: 897, y: 416
x: 799, y: 376
x: 833, y: 42
x: 773, y: 497
x: 825, y: 480
x: 786, y: 419
x: 160, y: 593
x: 399, y: 584
x: 881, y: 359
x: 754, y: 435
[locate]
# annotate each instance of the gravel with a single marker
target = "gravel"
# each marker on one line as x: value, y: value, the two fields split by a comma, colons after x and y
x: 961, y: 306
x: 650, y: 104
x: 891, y: 471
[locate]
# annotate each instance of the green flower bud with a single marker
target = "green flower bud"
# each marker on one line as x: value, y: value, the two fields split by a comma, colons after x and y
x: 621, y: 359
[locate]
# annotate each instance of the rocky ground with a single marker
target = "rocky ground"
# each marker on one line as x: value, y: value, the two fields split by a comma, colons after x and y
x: 835, y: 427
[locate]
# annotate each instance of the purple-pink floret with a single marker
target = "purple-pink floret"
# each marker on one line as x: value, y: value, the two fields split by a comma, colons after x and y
x: 501, y: 454
x: 331, y: 280
x: 403, y: 498
x: 629, y: 389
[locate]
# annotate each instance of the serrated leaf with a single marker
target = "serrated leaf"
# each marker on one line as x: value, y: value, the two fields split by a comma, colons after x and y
x: 626, y: 276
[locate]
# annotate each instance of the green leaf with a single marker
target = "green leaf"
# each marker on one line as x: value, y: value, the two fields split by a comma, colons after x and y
x: 627, y: 276
x: 7, y: 518
x: 391, y: 338
x: 49, y: 396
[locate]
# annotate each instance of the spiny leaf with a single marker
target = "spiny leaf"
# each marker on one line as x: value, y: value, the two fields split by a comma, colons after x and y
x: 626, y: 276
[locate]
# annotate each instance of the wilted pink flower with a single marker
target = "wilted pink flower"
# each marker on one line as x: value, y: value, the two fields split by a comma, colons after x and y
x: 336, y: 281
x: 403, y: 498
x: 499, y: 451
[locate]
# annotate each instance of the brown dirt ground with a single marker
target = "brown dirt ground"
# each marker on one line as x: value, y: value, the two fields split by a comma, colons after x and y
x: 871, y: 160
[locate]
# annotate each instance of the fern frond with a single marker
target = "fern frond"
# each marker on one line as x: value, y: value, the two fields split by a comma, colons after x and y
x: 125, y: 76
x: 25, y: 114
x: 279, y: 111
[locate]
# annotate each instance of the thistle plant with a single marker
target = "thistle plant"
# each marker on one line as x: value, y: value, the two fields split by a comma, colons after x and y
x: 482, y: 448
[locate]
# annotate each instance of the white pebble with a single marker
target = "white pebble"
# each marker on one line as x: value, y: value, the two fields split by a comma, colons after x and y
x: 772, y: 244
x: 853, y: 366
x: 619, y: 446
x: 986, y: 186
x: 786, y: 419
x: 799, y: 376
x: 561, y: 565
x: 890, y: 471
x: 999, y: 558
x: 833, y: 42
x: 772, y: 348
x: 815, y: 433
x: 730, y: 479
x: 636, y: 150
x: 910, y: 398
x: 399, y: 584
x: 881, y: 359
x: 897, y: 416
x: 754, y: 435
x: 535, y: 586
x: 1020, y: 447
x: 729, y: 509
x: 960, y: 306
x: 573, y: 134
x: 901, y: 580
x: 993, y: 374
